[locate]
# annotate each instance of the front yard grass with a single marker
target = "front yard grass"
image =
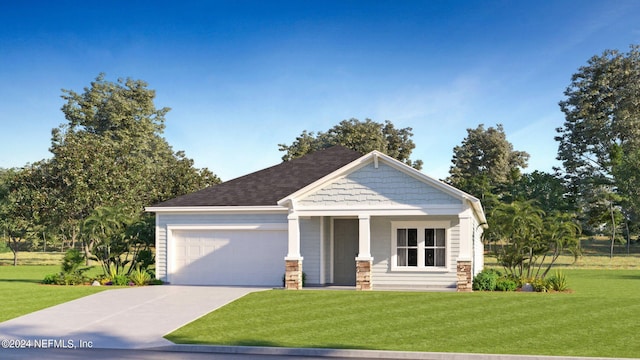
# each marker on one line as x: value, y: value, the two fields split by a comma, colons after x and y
x: 21, y: 290
x: 600, y: 318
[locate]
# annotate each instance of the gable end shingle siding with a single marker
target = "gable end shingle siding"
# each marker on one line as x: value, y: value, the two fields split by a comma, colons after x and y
x: 266, y: 187
x: 378, y: 186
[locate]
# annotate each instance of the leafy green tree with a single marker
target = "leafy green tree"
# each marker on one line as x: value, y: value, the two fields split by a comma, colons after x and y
x: 485, y: 164
x: 548, y: 190
x: 362, y: 136
x: 599, y: 141
x: 111, y: 153
x: 19, y: 212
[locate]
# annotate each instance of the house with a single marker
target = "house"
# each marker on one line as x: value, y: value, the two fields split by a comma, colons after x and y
x: 340, y: 217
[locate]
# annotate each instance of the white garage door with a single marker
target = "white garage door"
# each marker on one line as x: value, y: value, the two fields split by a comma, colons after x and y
x: 228, y: 257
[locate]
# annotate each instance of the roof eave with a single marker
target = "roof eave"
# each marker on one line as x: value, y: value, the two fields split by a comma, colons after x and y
x: 217, y: 209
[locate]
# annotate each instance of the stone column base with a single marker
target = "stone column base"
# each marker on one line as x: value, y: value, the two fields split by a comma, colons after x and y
x: 465, y: 278
x: 363, y: 274
x: 293, y: 275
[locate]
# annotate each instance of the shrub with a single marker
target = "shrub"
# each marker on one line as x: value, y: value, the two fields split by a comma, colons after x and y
x: 139, y: 277
x: 65, y: 279
x: 486, y: 280
x: 74, y: 279
x: 51, y: 279
x: 558, y: 281
x: 72, y: 271
x: 538, y: 284
x: 156, y: 282
x: 120, y: 280
x: 506, y: 284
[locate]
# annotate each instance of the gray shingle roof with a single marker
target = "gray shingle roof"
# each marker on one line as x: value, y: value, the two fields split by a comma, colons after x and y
x: 266, y: 187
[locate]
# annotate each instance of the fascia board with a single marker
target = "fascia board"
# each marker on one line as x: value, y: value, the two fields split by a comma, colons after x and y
x: 218, y: 209
x: 389, y: 210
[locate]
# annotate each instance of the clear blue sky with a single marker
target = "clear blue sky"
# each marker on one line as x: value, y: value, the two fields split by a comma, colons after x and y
x: 243, y: 76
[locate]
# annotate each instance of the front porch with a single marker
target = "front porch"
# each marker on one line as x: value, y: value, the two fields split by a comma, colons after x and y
x: 339, y: 251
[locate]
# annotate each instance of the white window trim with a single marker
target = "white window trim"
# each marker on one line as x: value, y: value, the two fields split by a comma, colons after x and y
x: 421, y: 226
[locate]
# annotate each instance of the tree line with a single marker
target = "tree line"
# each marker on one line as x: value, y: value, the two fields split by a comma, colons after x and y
x: 109, y: 160
x: 535, y: 217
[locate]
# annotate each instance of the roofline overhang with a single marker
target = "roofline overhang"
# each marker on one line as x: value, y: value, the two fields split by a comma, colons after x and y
x: 477, y: 208
x: 377, y: 156
x: 218, y: 209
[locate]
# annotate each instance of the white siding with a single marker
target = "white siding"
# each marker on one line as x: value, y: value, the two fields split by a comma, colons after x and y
x: 478, y: 248
x: 310, y: 243
x: 382, y: 186
x: 163, y: 221
x: 383, y: 277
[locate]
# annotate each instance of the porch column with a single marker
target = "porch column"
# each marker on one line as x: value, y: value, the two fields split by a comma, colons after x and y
x: 364, y: 261
x: 465, y: 259
x: 293, y: 260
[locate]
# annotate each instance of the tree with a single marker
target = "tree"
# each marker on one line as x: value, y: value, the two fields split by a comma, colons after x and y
x: 599, y: 142
x: 111, y: 153
x: 485, y: 164
x: 361, y: 136
x: 529, y: 242
x: 548, y: 190
x: 19, y: 210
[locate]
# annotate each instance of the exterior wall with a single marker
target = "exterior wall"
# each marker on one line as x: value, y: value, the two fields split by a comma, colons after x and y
x: 163, y: 221
x: 478, y: 249
x: 383, y: 277
x: 310, y: 248
x: 382, y: 186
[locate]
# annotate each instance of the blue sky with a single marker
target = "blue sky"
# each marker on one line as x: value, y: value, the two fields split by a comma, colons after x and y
x: 243, y: 76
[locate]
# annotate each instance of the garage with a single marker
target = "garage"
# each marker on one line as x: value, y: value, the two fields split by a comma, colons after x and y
x: 228, y: 257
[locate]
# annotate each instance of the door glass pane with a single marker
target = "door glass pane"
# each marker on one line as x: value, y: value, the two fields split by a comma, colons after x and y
x: 402, y: 257
x: 413, y: 237
x: 429, y: 237
x: 402, y: 237
x: 413, y: 257
x: 440, y: 257
x: 440, y: 239
x: 429, y: 257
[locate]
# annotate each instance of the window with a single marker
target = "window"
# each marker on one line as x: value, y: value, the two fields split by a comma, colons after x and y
x: 420, y: 245
x: 434, y: 247
x: 407, y: 247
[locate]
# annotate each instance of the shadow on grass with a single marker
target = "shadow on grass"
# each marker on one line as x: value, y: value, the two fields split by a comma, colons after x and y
x: 31, y: 281
x: 323, y: 349
x: 627, y: 276
x: 263, y: 343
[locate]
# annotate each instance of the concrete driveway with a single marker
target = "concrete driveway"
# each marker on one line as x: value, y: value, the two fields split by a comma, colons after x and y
x: 131, y: 318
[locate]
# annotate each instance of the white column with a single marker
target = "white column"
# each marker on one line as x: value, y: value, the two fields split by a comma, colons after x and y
x: 294, y: 238
x: 364, y: 238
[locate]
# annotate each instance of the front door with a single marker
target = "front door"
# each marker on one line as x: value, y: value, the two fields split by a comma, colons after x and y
x: 345, y: 251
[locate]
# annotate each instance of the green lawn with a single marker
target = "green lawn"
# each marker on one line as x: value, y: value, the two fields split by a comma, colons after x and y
x: 22, y: 293
x: 601, y: 318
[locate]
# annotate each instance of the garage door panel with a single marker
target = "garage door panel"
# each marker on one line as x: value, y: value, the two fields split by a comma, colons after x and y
x: 228, y: 257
